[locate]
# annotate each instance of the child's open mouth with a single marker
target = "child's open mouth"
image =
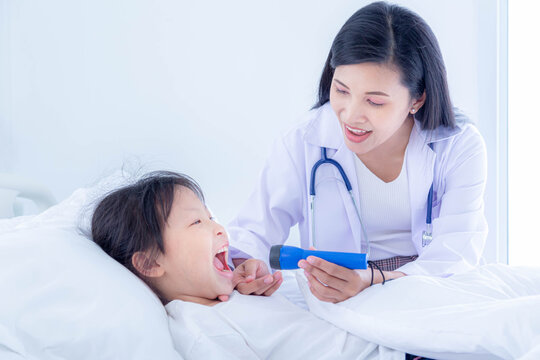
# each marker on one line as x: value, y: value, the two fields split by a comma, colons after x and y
x: 220, y: 261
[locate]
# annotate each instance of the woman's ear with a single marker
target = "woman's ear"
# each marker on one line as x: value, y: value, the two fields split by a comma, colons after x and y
x: 145, y: 265
x: 418, y: 103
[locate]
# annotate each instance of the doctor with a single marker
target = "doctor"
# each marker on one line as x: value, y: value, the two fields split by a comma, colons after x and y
x: 384, y: 115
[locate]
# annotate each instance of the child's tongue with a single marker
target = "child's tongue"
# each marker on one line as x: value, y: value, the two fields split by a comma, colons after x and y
x: 218, y: 264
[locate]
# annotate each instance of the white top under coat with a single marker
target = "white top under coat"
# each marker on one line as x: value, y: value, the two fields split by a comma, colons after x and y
x: 386, y: 212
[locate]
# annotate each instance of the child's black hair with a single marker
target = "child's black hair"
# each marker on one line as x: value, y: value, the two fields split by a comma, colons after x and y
x: 132, y: 218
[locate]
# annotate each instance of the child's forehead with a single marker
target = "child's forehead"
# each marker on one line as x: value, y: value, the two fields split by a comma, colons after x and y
x: 186, y: 200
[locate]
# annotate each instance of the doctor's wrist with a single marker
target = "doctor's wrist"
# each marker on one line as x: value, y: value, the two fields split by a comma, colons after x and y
x: 388, y: 275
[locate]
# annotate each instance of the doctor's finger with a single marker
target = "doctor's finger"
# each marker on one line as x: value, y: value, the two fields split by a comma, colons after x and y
x: 330, y: 268
x: 327, y: 279
x: 324, y: 277
x: 320, y: 291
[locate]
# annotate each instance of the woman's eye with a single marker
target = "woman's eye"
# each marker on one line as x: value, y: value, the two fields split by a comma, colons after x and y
x: 212, y: 218
x: 196, y: 222
x: 373, y: 103
x: 341, y: 91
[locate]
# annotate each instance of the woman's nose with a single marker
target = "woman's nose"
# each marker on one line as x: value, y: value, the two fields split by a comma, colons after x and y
x: 355, y: 112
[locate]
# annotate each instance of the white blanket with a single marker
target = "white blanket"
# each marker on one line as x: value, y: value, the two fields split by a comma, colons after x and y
x: 491, y: 312
x: 256, y: 327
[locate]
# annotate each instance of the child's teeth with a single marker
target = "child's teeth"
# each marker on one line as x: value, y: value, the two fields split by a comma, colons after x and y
x: 223, y: 249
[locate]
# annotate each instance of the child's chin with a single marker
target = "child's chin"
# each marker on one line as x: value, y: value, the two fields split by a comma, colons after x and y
x: 226, y: 287
x: 230, y: 288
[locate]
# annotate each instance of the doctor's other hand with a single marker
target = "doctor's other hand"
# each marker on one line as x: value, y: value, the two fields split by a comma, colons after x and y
x: 333, y: 283
x: 251, y: 277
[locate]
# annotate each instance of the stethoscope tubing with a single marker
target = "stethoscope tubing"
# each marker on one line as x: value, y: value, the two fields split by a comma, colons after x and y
x: 325, y: 160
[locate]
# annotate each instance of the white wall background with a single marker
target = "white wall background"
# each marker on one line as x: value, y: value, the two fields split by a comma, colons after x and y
x: 203, y: 87
x: 524, y: 127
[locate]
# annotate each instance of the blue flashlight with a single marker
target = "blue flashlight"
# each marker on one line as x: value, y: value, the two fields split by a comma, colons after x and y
x: 284, y: 257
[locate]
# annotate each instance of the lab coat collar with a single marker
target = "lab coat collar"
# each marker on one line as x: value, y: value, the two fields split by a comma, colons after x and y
x: 442, y: 133
x: 324, y: 129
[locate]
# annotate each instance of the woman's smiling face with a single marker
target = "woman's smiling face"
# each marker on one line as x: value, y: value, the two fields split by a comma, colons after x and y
x: 194, y: 264
x: 371, y: 104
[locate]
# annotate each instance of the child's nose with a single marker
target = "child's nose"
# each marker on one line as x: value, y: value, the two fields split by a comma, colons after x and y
x: 220, y: 231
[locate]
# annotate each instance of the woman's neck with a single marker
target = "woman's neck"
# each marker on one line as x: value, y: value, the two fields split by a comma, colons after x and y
x: 386, y: 160
x: 393, y: 147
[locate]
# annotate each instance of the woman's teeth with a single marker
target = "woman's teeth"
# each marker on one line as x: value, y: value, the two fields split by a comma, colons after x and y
x: 356, y: 131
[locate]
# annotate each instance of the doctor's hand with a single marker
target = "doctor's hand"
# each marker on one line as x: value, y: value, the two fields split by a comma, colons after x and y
x: 252, y: 277
x: 333, y: 283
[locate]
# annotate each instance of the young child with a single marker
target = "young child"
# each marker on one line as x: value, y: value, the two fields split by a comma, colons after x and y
x: 161, y: 230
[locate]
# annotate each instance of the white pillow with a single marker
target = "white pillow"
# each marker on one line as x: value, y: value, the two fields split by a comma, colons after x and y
x: 62, y: 297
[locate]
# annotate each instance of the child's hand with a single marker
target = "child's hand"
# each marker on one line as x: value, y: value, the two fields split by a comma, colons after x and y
x: 253, y: 278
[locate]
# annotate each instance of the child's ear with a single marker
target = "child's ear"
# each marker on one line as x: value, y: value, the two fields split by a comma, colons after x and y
x: 145, y: 265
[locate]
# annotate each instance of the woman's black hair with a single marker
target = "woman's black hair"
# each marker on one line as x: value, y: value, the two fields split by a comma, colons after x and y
x: 390, y: 34
x: 132, y: 218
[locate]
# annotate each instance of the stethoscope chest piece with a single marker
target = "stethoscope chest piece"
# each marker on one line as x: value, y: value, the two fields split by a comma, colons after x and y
x: 427, y: 236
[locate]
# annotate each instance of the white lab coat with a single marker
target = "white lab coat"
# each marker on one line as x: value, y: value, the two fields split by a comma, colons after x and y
x: 456, y: 166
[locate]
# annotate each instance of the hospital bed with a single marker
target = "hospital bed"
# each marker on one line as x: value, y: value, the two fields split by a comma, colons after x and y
x: 15, y: 188
x: 63, y: 298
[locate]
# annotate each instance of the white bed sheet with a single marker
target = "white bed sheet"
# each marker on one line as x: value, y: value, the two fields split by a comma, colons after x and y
x: 492, y: 312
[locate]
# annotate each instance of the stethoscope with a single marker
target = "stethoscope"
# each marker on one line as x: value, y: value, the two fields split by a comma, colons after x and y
x: 427, y: 235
